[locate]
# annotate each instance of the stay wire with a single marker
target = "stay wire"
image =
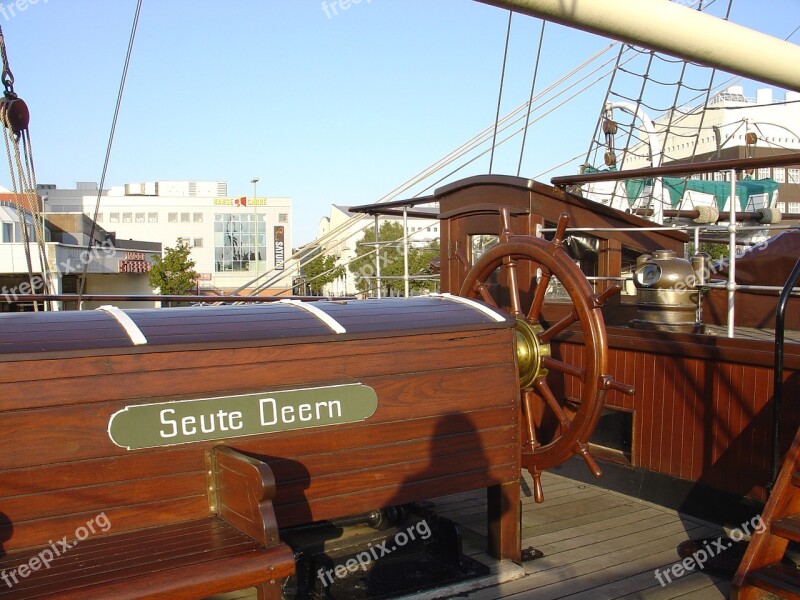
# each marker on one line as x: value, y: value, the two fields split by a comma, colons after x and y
x: 110, y: 144
x: 530, y: 100
x: 500, y: 93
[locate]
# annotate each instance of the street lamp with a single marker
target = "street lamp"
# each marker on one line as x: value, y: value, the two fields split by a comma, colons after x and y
x: 254, y: 181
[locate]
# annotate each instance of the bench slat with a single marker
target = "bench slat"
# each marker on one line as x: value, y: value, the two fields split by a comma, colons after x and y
x: 180, y: 578
x: 123, y: 493
x: 31, y: 534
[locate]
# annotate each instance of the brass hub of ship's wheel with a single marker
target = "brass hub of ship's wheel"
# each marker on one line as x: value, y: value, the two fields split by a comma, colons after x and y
x: 562, y: 396
x: 530, y: 352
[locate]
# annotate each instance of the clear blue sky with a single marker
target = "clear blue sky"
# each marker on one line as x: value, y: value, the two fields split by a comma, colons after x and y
x: 323, y: 108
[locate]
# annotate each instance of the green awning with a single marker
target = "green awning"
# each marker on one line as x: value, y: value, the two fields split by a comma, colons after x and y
x: 677, y: 186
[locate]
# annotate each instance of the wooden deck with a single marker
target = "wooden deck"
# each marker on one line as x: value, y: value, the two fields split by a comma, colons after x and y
x: 597, y: 545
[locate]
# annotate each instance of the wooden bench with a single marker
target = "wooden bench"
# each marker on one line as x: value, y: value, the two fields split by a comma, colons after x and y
x: 444, y: 416
x: 236, y: 547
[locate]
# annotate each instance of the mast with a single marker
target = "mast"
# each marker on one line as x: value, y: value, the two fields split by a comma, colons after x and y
x: 677, y: 30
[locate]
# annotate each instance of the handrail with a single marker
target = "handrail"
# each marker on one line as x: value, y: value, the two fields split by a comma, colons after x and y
x: 776, y: 160
x: 162, y: 298
x: 780, y: 314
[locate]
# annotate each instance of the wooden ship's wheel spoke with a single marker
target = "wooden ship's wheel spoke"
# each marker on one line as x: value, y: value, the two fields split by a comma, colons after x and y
x: 537, y: 303
x: 557, y: 365
x: 513, y: 287
x: 533, y: 409
x: 555, y: 426
x: 563, y: 420
x: 549, y: 333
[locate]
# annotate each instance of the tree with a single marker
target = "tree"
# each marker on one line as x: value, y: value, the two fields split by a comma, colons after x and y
x: 391, y: 261
x: 419, y: 263
x: 320, y: 271
x: 174, y: 274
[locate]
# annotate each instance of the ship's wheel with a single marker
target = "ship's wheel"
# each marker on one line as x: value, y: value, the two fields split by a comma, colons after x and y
x: 555, y: 427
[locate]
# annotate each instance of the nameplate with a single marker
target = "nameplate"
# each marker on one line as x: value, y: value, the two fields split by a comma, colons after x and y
x: 207, y: 419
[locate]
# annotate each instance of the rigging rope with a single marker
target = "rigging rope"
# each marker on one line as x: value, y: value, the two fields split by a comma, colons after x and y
x: 467, y: 147
x: 110, y: 144
x: 530, y: 99
x: 672, y: 115
x: 14, y: 116
x: 500, y: 93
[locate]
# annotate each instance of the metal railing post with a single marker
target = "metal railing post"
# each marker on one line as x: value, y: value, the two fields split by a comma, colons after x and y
x: 732, y: 256
x: 405, y: 249
x: 377, y: 258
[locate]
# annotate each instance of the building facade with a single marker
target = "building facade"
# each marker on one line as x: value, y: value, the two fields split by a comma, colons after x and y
x: 732, y: 126
x: 341, y: 233
x: 65, y: 259
x: 233, y: 241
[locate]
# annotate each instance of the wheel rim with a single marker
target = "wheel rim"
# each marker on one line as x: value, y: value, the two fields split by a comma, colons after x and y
x: 534, y: 356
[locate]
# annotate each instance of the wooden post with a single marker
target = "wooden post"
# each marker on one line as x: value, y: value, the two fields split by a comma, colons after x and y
x: 504, y: 513
x: 609, y: 263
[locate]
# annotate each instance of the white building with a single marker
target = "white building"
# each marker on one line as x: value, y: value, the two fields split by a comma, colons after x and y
x: 233, y: 240
x: 109, y: 268
x: 723, y: 127
x: 732, y: 126
x: 341, y: 233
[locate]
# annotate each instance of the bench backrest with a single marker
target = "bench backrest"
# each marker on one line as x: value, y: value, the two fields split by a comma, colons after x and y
x: 446, y: 417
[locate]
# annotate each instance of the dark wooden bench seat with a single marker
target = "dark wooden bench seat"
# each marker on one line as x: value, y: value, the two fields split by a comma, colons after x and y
x: 237, y: 547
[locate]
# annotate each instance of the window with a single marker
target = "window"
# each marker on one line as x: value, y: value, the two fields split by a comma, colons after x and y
x: 794, y: 207
x: 140, y: 217
x: 184, y: 217
x: 763, y: 173
x: 8, y: 232
x: 152, y: 217
x: 478, y: 244
x: 127, y: 217
x: 779, y: 175
x: 239, y: 240
x: 283, y: 217
x: 172, y: 217
x: 197, y: 217
x: 113, y: 218
x: 197, y: 242
x: 794, y: 175
x: 99, y: 217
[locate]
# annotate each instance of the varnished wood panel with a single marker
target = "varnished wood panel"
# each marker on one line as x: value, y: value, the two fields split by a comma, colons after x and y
x: 82, y: 428
x: 702, y: 414
x: 446, y: 420
x: 133, y: 376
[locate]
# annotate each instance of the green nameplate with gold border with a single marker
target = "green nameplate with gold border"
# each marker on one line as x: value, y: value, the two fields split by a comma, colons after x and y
x: 206, y: 419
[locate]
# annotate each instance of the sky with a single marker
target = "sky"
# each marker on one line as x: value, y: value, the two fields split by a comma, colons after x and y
x: 324, y: 102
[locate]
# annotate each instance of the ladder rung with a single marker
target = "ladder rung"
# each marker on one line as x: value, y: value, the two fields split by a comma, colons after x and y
x: 778, y: 579
x: 788, y: 528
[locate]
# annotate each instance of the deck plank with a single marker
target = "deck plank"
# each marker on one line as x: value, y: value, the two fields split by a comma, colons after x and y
x: 598, y: 545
